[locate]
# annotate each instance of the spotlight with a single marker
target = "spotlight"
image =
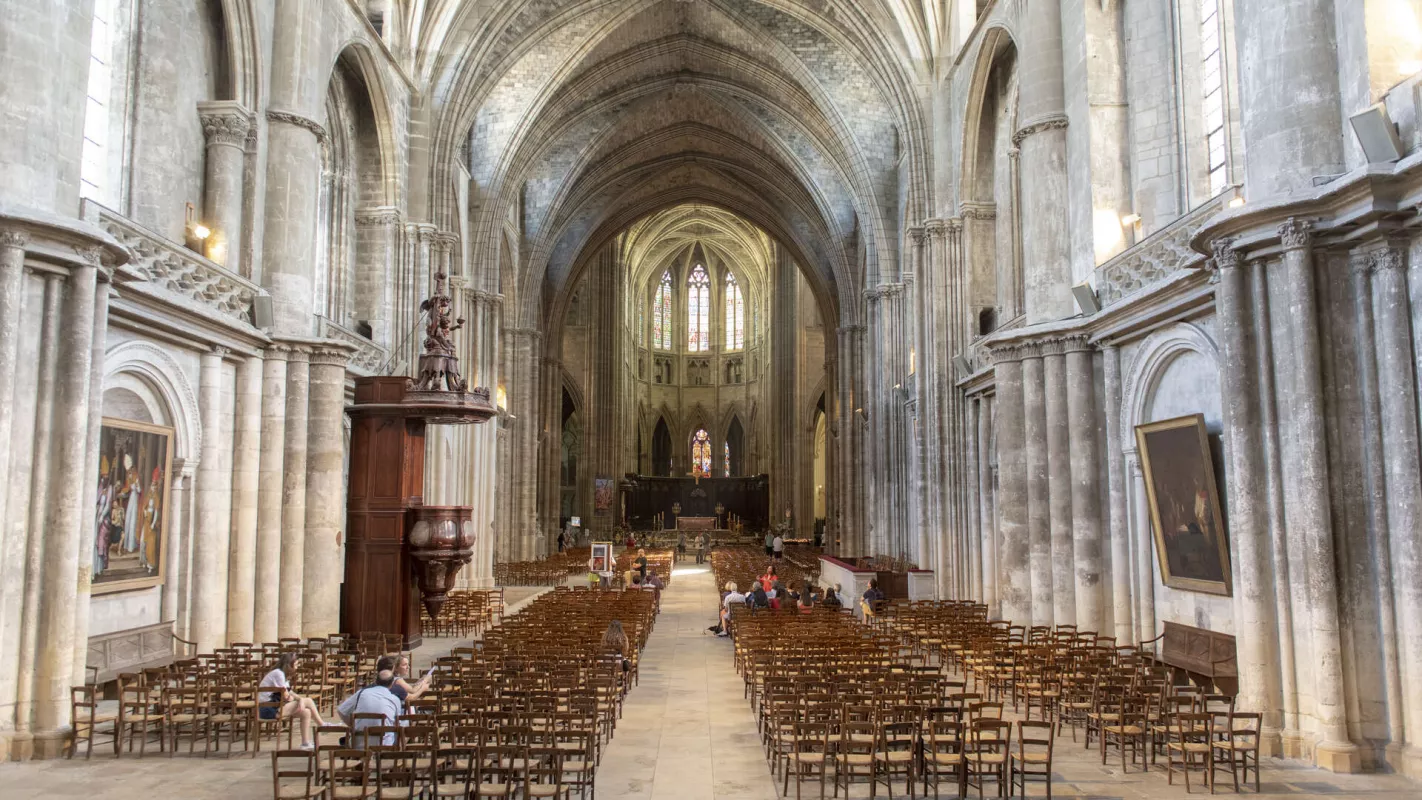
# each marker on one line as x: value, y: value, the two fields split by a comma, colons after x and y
x: 1236, y: 201
x: 201, y: 231
x: 1130, y: 220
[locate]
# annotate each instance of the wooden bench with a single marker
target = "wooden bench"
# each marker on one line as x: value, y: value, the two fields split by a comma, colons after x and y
x: 1207, y: 656
x: 134, y: 650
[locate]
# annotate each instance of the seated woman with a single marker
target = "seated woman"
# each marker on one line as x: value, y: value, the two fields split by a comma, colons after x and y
x: 293, y: 704
x: 831, y: 600
x: 769, y: 578
x: 402, y: 688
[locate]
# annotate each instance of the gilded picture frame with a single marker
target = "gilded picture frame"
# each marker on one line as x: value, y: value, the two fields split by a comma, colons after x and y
x: 1191, y: 543
x: 130, y: 517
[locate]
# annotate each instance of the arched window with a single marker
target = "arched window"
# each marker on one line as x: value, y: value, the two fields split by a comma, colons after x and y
x: 698, y: 312
x: 662, y: 314
x: 735, y: 448
x: 728, y: 460
x: 1213, y: 90
x: 735, y: 314
x: 701, y: 451
x: 94, y: 168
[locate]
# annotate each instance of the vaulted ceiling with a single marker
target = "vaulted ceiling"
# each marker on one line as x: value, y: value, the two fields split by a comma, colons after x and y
x: 577, y: 119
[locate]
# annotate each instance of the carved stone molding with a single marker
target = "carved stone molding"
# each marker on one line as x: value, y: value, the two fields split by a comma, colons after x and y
x: 1055, y: 122
x: 12, y: 237
x: 298, y: 354
x: 382, y: 215
x: 1389, y: 258
x: 299, y: 121
x: 364, y: 356
x: 978, y: 210
x: 1295, y: 233
x: 220, y: 351
x: 276, y: 351
x: 1163, y: 254
x: 91, y: 255
x: 1225, y: 254
x: 329, y: 355
x: 936, y: 228
x: 916, y: 235
x: 1360, y: 265
x: 225, y: 123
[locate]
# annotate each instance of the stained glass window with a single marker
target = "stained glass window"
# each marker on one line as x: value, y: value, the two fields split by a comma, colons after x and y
x: 701, y: 451
x: 698, y: 312
x: 735, y: 314
x: 728, y: 459
x: 662, y: 314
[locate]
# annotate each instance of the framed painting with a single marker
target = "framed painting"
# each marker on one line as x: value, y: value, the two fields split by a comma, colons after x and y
x: 131, y: 512
x: 603, y: 489
x: 602, y: 561
x: 1190, y: 539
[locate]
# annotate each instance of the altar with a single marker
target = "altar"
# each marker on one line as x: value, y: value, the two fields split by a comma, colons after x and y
x: 696, y: 523
x: 649, y: 502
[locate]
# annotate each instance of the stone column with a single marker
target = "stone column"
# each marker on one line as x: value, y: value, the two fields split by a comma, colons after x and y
x: 1046, y: 238
x: 973, y: 476
x: 1116, y: 493
x: 41, y: 479
x: 1059, y: 484
x: 41, y: 139
x: 1039, y: 531
x: 1311, y: 511
x: 67, y: 513
x: 1085, y: 484
x: 270, y: 483
x: 1254, y: 588
x: 1397, y: 393
x: 1145, y: 551
x: 293, y: 489
x: 986, y: 518
x: 242, y: 571
x: 12, y: 276
x: 1014, y: 577
x: 225, y: 123
x: 88, y: 531
x: 187, y: 483
x: 172, y: 546
x: 1291, y: 116
x: 209, y: 595
x: 323, y: 566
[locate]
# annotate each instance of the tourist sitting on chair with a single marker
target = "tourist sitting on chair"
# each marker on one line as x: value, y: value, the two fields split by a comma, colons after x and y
x: 375, y: 699
x: 733, y: 598
x: 402, y: 688
x: 872, y: 598
x: 293, y: 704
x: 831, y: 599
x: 768, y: 578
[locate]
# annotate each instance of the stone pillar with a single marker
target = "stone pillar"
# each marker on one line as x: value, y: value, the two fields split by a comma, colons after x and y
x: 1116, y: 494
x: 1291, y: 117
x: 1059, y: 485
x: 1039, y: 531
x: 1311, y: 510
x: 12, y: 276
x: 1396, y: 390
x: 1145, y: 548
x: 41, y: 136
x: 270, y: 482
x: 209, y: 594
x: 293, y: 489
x: 242, y: 571
x: 1042, y: 142
x: 1014, y: 575
x: 87, y: 532
x: 67, y: 513
x: 323, y: 562
x: 973, y: 476
x: 1085, y: 484
x: 172, y: 546
x: 225, y: 123
x: 986, y: 518
x: 1248, y: 529
x: 41, y: 480
x: 187, y: 484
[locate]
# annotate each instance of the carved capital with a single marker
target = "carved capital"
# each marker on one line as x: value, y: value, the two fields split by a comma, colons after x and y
x: 219, y: 351
x: 1295, y: 233
x: 976, y: 210
x: 276, y: 351
x: 225, y: 123
x: 1052, y: 123
x: 916, y: 236
x: 329, y: 355
x: 14, y: 237
x: 298, y: 354
x: 289, y: 118
x: 92, y: 255
x: 936, y: 228
x: 380, y: 215
x: 1389, y: 258
x: 1360, y: 265
x: 1226, y: 256
x: 1052, y: 347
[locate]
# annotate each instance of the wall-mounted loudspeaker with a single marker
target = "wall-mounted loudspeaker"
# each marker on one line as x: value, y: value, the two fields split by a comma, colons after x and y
x: 1377, y: 133
x: 262, y: 311
x: 1085, y: 299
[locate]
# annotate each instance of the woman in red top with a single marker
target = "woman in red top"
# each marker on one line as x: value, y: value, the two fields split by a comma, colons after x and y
x: 768, y: 579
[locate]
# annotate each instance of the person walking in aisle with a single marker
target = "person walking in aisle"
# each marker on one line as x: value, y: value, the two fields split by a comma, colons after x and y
x: 769, y: 543
x: 777, y: 546
x: 701, y: 548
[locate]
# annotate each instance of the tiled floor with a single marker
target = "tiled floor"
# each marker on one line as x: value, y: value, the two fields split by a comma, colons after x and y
x: 687, y: 733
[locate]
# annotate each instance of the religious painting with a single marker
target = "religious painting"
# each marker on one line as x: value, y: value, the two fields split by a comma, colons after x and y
x: 601, y: 561
x: 603, y: 489
x: 1190, y: 540
x: 131, y: 512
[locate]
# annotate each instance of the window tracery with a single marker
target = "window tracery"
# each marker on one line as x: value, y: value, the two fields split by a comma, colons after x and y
x: 662, y: 314
x: 735, y: 314
x: 698, y: 311
x: 701, y: 451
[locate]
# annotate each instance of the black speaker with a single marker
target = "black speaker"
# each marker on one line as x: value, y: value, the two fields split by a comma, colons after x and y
x: 262, y: 311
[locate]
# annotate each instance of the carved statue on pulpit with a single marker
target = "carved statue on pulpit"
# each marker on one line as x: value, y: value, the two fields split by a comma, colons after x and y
x: 439, y: 368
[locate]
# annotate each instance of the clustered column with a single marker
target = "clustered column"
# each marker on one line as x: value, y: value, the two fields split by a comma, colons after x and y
x: 322, y: 561
x: 226, y: 124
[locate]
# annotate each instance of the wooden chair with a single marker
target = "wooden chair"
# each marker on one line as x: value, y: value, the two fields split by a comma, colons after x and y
x: 1129, y: 731
x: 986, y: 756
x: 1033, y: 758
x: 854, y: 756
x: 294, y: 775
x: 542, y: 774
x: 397, y: 776
x: 1238, y: 749
x: 87, y: 719
x: 894, y: 754
x: 1187, y: 747
x: 137, y: 714
x: 809, y: 757
x: 497, y: 774
x: 348, y: 774
x: 941, y: 746
x: 454, y: 772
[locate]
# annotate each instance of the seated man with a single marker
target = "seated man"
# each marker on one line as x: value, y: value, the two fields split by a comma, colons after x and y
x: 655, y: 582
x: 376, y: 699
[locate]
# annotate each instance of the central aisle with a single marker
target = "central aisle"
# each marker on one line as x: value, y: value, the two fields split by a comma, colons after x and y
x: 687, y: 732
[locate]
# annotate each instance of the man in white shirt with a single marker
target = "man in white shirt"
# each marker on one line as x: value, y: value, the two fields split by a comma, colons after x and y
x: 733, y: 596
x: 778, y: 545
x: 376, y: 699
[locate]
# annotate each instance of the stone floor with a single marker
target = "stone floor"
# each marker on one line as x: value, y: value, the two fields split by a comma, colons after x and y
x: 687, y: 733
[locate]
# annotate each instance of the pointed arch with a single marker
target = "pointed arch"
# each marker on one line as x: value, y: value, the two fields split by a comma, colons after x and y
x: 662, y: 318
x: 661, y: 449
x: 701, y: 451
x: 698, y: 310
x: 735, y: 456
x: 735, y: 313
